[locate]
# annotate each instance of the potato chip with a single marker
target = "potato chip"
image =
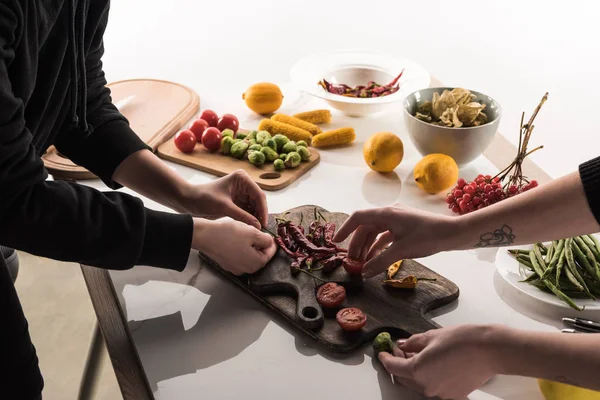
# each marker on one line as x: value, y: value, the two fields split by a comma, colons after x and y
x: 454, y: 108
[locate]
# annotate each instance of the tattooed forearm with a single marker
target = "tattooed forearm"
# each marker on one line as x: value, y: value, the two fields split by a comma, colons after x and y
x: 500, y: 237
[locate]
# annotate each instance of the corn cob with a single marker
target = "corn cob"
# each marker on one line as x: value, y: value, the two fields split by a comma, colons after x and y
x: 335, y: 137
x: 307, y: 126
x: 292, y: 132
x: 315, y: 117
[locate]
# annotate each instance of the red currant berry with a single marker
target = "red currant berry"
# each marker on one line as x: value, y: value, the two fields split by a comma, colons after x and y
x: 455, y: 208
x: 461, y: 183
x: 487, y: 188
x: 469, y: 189
x: 496, y: 180
x: 476, y: 201
x: 513, y: 189
x: 466, y: 197
x: 457, y: 194
x: 533, y: 184
x: 488, y: 177
x: 450, y: 199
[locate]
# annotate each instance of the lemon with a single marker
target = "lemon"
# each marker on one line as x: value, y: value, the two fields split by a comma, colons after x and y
x: 561, y: 391
x: 383, y: 151
x: 436, y: 172
x: 263, y: 98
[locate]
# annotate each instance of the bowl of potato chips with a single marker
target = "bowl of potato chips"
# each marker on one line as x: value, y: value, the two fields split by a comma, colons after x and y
x: 457, y: 122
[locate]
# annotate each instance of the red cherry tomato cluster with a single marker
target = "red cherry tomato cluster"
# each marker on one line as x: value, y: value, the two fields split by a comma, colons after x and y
x: 207, y: 130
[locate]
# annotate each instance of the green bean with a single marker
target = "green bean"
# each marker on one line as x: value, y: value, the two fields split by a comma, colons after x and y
x: 563, y: 296
x: 534, y: 263
x: 519, y: 252
x: 555, y: 256
x: 559, y: 265
x: 525, y: 261
x: 540, y: 258
x: 591, y: 258
x: 596, y: 243
x: 573, y: 280
x: 573, y: 268
x: 550, y: 252
x: 542, y: 248
x: 583, y: 260
x: 591, y: 245
x: 531, y: 278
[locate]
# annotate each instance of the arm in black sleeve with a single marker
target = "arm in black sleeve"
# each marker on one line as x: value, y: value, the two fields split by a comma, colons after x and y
x: 67, y: 221
x: 589, y: 172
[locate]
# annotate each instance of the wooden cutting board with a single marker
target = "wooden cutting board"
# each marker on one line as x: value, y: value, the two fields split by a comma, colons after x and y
x: 217, y: 164
x: 156, y: 110
x: 397, y: 311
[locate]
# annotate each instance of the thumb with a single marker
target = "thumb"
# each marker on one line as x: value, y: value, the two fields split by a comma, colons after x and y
x: 263, y: 240
x: 415, y: 343
x: 235, y: 212
x: 398, y: 366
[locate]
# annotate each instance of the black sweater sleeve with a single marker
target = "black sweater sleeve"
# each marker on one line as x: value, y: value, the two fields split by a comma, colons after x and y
x: 589, y: 172
x: 71, y: 222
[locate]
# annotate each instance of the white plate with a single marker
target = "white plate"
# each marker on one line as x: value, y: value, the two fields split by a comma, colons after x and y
x: 354, y: 67
x: 512, y: 272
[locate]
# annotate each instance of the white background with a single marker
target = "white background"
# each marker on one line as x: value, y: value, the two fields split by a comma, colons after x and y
x: 514, y: 51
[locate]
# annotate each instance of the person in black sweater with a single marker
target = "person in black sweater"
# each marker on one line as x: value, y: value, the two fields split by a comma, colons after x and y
x: 450, y: 363
x: 53, y: 91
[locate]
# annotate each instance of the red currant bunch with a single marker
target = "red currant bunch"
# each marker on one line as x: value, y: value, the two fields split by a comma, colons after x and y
x: 481, y: 192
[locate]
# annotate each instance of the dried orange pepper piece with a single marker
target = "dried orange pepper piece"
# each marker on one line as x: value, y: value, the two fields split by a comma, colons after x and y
x: 392, y: 269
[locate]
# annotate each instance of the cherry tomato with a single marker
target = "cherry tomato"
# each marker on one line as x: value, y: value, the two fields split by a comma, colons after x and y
x: 198, y: 127
x: 212, y: 139
x: 331, y: 295
x: 351, y: 319
x: 228, y: 121
x: 210, y: 116
x: 185, y: 141
x: 353, y: 267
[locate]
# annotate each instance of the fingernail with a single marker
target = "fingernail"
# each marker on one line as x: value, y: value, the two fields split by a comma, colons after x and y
x: 401, y: 342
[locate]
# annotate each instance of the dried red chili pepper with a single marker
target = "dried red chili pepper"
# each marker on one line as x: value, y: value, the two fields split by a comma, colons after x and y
x: 328, y: 237
x: 332, y: 262
x: 304, y: 243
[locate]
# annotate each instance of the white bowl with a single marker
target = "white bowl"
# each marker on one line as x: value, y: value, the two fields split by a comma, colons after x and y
x: 462, y: 144
x: 353, y: 67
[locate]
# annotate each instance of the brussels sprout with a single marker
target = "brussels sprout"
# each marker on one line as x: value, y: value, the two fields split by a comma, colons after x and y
x: 226, y: 144
x: 256, y: 158
x: 239, y: 149
x: 280, y: 140
x: 304, y: 153
x: 301, y: 143
x: 279, y: 165
x: 292, y: 160
x: 228, y: 132
x: 270, y: 154
x: 289, y: 147
x: 383, y: 342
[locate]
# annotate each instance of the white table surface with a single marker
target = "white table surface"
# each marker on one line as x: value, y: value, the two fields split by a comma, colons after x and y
x: 199, y: 336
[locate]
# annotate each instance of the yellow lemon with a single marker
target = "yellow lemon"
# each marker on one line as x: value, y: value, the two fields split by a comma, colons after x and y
x: 561, y: 391
x: 436, y: 172
x: 263, y: 98
x: 383, y: 152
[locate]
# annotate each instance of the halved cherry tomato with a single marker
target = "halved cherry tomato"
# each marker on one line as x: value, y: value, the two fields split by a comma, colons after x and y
x: 351, y: 319
x: 198, y: 127
x: 353, y: 267
x: 212, y: 139
x: 185, y: 141
x: 228, y: 121
x: 210, y: 116
x: 331, y: 295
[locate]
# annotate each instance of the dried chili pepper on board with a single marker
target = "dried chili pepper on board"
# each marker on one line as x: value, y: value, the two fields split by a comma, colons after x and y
x: 304, y: 243
x: 331, y: 263
x: 328, y: 236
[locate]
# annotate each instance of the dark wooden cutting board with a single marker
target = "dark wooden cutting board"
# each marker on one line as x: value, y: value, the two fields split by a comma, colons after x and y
x: 398, y: 311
